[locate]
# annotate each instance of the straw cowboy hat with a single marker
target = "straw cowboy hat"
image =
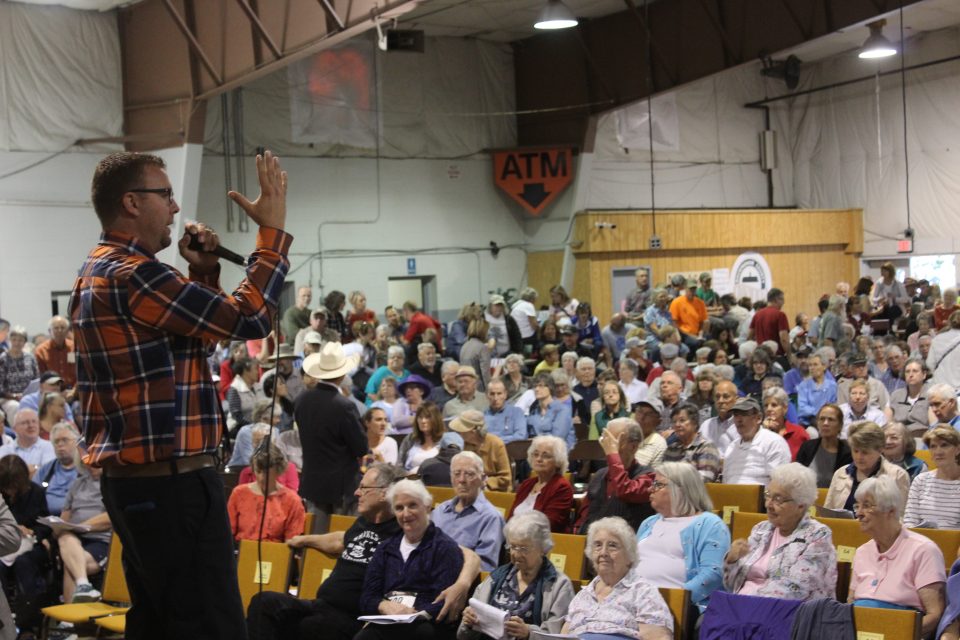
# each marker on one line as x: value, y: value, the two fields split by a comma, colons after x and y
x: 330, y: 363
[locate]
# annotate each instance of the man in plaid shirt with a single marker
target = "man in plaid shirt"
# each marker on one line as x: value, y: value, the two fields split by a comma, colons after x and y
x: 149, y: 409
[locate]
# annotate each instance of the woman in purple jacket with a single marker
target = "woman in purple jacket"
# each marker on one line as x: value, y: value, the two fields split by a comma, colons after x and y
x: 408, y: 571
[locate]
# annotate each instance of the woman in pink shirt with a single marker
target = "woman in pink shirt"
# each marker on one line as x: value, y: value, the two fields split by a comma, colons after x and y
x: 898, y: 568
x: 284, y: 514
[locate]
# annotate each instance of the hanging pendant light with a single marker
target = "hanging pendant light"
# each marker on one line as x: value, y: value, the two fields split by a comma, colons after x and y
x: 876, y: 45
x: 555, y: 15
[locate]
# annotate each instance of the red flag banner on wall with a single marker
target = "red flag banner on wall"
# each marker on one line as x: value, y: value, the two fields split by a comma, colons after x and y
x: 533, y: 177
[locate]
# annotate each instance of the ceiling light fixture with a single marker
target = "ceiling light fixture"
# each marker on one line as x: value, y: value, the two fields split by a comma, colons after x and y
x: 555, y: 15
x: 877, y: 46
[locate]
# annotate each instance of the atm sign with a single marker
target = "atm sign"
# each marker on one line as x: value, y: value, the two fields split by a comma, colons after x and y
x: 533, y: 177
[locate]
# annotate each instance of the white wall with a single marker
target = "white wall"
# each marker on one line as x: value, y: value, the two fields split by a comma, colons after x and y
x: 48, y: 228
x: 422, y: 212
x: 847, y: 144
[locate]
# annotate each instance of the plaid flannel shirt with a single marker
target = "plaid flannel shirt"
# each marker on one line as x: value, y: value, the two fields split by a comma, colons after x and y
x: 142, y: 334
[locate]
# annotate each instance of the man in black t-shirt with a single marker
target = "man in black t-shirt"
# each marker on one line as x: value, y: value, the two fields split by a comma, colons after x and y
x: 332, y: 615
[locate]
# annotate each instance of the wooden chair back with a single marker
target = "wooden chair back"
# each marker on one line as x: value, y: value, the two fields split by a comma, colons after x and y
x: 567, y: 554
x: 440, y: 494
x: 679, y: 602
x: 316, y: 569
x: 887, y: 624
x: 927, y: 457
x: 743, y: 522
x: 502, y: 500
x: 341, y: 523
x: 587, y: 450
x: 273, y: 571
x: 517, y: 450
x: 728, y: 498
x: 947, y: 539
x: 821, y: 496
x: 114, y: 580
x: 308, y: 521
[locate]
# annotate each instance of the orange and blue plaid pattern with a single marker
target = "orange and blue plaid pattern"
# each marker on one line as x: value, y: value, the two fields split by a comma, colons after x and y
x: 142, y: 334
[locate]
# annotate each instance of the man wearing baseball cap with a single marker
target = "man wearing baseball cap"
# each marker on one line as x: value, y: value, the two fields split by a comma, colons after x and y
x: 757, y: 451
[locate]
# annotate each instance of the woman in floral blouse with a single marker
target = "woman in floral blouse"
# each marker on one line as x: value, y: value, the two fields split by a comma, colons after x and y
x: 618, y: 601
x: 789, y: 556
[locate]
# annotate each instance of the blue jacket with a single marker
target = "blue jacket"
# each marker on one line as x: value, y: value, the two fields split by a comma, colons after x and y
x: 705, y: 543
x: 432, y: 567
x: 557, y: 421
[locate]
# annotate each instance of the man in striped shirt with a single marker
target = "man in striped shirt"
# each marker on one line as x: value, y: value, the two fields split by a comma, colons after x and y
x: 149, y: 410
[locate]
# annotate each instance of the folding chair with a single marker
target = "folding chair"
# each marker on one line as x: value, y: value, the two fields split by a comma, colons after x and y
x: 502, y: 500
x: 341, y: 523
x: 567, y: 554
x: 116, y: 597
x: 743, y: 522
x: 888, y: 624
x: 947, y: 539
x: 679, y: 602
x: 317, y: 567
x: 728, y: 498
x: 273, y: 571
x: 440, y: 494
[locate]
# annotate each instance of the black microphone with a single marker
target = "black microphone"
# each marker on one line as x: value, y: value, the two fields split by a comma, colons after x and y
x: 220, y: 251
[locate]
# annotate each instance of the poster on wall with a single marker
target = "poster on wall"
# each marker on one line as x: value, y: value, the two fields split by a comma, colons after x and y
x: 751, y: 276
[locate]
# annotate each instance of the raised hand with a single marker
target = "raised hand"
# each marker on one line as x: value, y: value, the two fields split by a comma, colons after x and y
x: 270, y: 207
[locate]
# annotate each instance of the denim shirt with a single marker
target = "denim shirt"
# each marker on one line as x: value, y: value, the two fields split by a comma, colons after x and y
x: 557, y: 420
x: 705, y: 542
x: 508, y: 424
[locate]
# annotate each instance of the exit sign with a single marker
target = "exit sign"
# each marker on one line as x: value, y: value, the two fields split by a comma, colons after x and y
x: 905, y: 245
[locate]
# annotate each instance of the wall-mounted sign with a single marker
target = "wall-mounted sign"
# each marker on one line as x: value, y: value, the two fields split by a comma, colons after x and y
x: 411, y: 266
x: 533, y: 177
x: 751, y: 276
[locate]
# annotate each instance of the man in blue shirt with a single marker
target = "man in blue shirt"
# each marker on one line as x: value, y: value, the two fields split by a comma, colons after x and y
x: 942, y: 399
x: 58, y: 474
x: 506, y: 421
x: 50, y: 382
x: 468, y: 517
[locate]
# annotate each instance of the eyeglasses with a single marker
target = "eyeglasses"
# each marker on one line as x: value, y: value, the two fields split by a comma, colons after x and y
x: 166, y: 193
x: 522, y: 550
x: 370, y: 487
x: 857, y: 506
x: 612, y: 547
x: 656, y: 486
x: 775, y: 498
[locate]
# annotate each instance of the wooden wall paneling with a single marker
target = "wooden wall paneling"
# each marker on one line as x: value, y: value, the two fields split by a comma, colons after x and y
x: 543, y: 271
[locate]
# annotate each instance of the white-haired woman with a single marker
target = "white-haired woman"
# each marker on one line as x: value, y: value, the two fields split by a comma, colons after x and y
x: 682, y: 547
x: 529, y: 587
x: 393, y: 369
x: 514, y: 382
x: 790, y: 555
x: 618, y: 602
x: 634, y: 388
x: 409, y: 570
x: 776, y: 402
x: 897, y: 568
x: 548, y: 491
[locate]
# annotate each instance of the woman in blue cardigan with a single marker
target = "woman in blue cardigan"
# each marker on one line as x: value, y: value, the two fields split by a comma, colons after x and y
x: 682, y: 547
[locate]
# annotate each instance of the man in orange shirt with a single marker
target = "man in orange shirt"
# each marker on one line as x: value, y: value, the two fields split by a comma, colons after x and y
x: 56, y: 354
x: 690, y: 315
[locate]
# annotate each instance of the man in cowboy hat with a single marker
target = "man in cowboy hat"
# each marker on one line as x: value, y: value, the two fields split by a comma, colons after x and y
x: 281, y: 363
x: 331, y: 435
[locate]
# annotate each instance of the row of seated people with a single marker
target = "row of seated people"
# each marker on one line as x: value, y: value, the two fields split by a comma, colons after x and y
x: 410, y: 561
x: 50, y: 561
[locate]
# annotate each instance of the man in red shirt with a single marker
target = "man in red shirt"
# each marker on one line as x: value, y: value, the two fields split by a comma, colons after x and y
x: 56, y: 354
x: 418, y: 322
x: 770, y: 323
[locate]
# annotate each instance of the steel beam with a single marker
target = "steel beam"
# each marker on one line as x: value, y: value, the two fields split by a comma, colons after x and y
x: 260, y: 29
x: 192, y: 40
x: 332, y: 12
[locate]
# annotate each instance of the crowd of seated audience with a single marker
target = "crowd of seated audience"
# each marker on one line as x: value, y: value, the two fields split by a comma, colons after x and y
x: 683, y: 387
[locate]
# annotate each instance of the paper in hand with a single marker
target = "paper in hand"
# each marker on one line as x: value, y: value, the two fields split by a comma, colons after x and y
x: 59, y: 525
x: 397, y: 618
x: 490, y: 619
